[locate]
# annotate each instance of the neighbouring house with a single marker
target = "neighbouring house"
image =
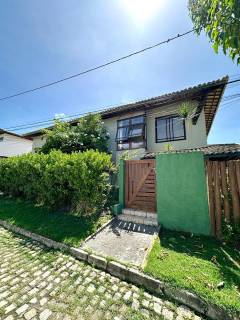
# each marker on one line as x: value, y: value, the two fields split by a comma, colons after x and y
x: 12, y: 144
x: 154, y: 125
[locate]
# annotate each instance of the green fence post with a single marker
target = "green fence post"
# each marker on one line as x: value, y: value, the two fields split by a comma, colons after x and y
x: 121, y: 178
x: 117, y: 208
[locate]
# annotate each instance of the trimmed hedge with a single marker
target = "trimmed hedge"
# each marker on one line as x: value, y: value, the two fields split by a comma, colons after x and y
x: 77, y: 180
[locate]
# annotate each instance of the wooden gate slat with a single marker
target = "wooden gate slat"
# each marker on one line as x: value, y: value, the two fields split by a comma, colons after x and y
x: 226, y: 204
x: 211, y: 196
x: 126, y: 184
x: 237, y: 168
x: 217, y: 194
x: 235, y: 196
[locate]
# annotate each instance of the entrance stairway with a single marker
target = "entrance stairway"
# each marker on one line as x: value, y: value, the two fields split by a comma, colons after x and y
x: 140, y: 217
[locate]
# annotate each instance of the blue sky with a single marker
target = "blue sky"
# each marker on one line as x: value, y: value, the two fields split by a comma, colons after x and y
x: 42, y: 41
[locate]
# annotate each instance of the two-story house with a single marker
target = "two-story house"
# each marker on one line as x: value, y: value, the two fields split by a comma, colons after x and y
x: 155, y: 124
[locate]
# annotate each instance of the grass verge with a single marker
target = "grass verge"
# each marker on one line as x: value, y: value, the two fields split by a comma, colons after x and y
x: 58, y: 226
x: 200, y: 264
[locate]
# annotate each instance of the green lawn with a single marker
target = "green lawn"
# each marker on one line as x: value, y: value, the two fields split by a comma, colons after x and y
x: 59, y: 226
x: 199, y: 264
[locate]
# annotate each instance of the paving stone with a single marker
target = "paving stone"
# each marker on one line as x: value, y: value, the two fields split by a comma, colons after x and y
x: 30, y: 314
x: 83, y: 299
x: 94, y: 301
x: 135, y: 304
x: 115, y: 287
x: 10, y: 308
x: 167, y: 314
x: 44, y: 315
x: 45, y: 285
x: 11, y: 317
x: 43, y: 301
x: 184, y: 311
x: 194, y: 317
x: 3, y: 303
x: 22, y: 309
x: 145, y: 313
x: 127, y: 296
x: 4, y: 295
x: 103, y: 304
x: 157, y: 308
x: 117, y: 296
x: 108, y: 315
x: 91, y: 288
x: 108, y: 295
x: 101, y: 289
x: 33, y: 300
x: 147, y: 296
x: 180, y: 317
x: 145, y: 303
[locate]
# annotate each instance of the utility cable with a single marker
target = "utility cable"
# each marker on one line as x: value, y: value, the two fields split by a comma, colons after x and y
x: 101, y: 66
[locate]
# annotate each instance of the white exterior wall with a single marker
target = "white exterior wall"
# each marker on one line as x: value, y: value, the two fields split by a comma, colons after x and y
x: 38, y: 142
x: 195, y: 134
x: 13, y: 146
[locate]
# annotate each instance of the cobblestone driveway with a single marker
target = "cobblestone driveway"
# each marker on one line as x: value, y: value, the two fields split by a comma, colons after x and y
x: 39, y: 284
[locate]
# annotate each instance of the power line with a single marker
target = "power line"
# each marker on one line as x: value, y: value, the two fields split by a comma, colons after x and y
x: 82, y: 114
x: 231, y: 101
x: 98, y: 67
x: 36, y: 124
x: 232, y: 96
x: 224, y: 105
x: 46, y: 122
x: 50, y: 120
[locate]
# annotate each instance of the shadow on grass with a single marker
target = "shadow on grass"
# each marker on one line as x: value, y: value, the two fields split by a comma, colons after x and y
x: 225, y: 258
x: 59, y: 226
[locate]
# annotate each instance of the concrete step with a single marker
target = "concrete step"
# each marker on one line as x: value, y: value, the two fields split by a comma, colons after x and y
x: 138, y: 213
x: 138, y: 219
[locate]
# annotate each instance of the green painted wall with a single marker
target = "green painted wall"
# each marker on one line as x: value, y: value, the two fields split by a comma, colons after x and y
x: 121, y: 181
x: 182, y: 202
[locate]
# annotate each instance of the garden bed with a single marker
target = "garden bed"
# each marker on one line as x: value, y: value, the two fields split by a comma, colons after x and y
x: 199, y: 264
x: 59, y: 226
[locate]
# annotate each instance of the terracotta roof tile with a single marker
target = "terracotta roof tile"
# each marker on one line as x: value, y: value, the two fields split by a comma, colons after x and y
x: 210, y: 150
x: 212, y: 92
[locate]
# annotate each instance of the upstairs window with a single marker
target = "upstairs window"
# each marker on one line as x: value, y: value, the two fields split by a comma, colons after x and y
x: 170, y: 128
x: 131, y: 133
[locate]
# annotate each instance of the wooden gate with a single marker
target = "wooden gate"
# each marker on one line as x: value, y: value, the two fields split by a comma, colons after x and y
x: 140, y: 185
x: 224, y: 193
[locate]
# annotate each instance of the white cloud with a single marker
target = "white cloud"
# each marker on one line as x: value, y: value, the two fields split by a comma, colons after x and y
x: 59, y: 115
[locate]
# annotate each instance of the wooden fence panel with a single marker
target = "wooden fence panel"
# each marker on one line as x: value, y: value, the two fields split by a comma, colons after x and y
x: 223, y: 193
x: 211, y: 196
x: 226, y: 205
x: 217, y: 194
x: 238, y: 176
x: 234, y: 192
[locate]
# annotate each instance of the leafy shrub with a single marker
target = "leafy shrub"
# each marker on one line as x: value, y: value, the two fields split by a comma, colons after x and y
x: 78, y: 180
x: 88, y: 134
x: 231, y: 234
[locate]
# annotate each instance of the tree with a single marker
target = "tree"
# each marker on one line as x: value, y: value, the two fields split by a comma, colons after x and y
x: 88, y: 134
x: 221, y: 21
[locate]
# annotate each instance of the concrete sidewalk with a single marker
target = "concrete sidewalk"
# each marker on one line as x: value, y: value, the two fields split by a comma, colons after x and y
x: 122, y: 240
